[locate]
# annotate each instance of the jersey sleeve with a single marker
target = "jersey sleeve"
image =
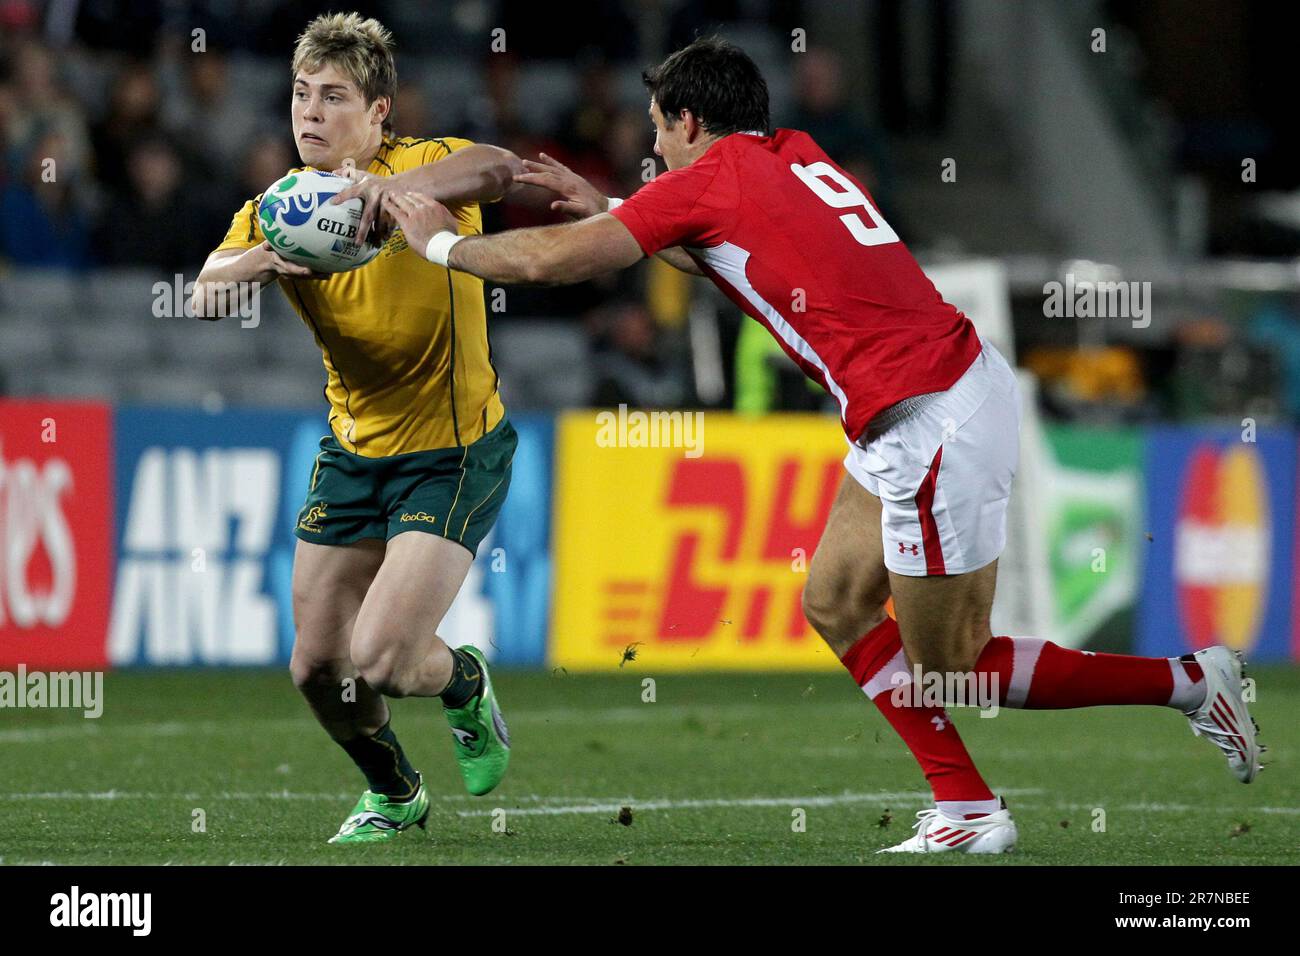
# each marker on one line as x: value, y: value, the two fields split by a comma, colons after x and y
x: 245, y: 231
x: 684, y: 207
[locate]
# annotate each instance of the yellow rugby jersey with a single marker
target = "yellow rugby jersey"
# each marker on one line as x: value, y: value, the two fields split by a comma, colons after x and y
x: 404, y: 341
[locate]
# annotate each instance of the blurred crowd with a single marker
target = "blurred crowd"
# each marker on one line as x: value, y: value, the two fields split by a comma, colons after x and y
x: 113, y: 126
x: 83, y: 187
x: 125, y: 140
x: 132, y: 130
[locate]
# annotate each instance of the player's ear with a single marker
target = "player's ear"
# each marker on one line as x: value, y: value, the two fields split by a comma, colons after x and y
x: 380, y: 109
x: 692, y: 125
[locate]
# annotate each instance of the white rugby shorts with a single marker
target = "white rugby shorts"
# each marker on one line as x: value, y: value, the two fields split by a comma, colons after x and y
x: 943, y: 473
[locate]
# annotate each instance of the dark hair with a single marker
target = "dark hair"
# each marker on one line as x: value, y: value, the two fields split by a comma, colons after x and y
x: 715, y: 80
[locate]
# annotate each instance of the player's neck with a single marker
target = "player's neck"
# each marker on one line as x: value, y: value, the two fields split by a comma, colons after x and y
x: 699, y: 148
x: 370, y: 150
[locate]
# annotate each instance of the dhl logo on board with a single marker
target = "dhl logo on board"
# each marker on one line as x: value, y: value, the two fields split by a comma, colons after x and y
x: 1221, y: 547
x: 694, y: 562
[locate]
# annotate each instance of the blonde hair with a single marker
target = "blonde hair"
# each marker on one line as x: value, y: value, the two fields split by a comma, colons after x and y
x: 361, y: 48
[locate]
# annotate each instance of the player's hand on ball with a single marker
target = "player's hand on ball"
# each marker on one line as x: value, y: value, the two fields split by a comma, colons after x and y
x: 419, y: 217
x: 271, y: 265
x: 375, y: 226
x: 578, y: 198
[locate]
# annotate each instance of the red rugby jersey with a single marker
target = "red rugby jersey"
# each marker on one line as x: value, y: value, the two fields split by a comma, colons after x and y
x: 798, y: 244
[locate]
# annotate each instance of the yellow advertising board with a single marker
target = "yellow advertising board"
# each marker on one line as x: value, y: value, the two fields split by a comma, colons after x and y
x: 695, y: 557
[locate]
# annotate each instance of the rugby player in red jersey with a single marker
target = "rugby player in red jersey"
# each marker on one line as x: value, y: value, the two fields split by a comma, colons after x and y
x: 930, y: 412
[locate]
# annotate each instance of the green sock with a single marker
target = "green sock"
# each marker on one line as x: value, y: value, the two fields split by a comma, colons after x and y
x: 380, y: 757
x: 466, y: 680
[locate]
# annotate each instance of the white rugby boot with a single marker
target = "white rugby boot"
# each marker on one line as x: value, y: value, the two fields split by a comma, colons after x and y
x: 1222, y: 718
x: 936, y: 833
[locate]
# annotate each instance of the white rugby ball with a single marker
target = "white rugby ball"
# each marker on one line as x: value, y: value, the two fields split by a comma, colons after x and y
x: 301, y: 225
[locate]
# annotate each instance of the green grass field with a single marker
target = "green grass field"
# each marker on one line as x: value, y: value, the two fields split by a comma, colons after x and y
x: 711, y: 771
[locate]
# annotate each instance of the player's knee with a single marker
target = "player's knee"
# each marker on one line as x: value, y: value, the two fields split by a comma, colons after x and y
x: 842, y: 612
x: 820, y: 611
x: 309, y: 672
x: 382, y: 674
x: 381, y: 665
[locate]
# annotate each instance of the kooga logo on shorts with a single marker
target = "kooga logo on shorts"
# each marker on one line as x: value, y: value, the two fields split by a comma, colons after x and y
x: 421, y: 516
x: 1221, y: 546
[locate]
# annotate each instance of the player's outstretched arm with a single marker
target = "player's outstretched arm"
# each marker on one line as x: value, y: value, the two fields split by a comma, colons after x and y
x: 478, y: 173
x: 580, y: 199
x: 680, y: 259
x: 547, y: 255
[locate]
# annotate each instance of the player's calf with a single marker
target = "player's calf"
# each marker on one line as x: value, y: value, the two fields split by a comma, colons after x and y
x: 341, y: 701
x: 944, y: 619
x: 957, y: 658
x: 840, y: 618
x: 398, y: 663
x: 460, y: 678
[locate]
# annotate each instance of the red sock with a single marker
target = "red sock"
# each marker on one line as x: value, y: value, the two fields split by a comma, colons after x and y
x: 927, y: 731
x: 1035, y: 674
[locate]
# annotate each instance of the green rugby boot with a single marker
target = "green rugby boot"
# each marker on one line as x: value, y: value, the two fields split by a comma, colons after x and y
x: 482, y: 742
x: 376, y: 817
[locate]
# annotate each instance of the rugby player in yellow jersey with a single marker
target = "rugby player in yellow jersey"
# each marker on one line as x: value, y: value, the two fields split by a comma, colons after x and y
x: 417, y: 462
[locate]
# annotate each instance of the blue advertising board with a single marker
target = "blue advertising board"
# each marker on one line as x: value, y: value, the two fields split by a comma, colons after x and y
x: 206, y: 506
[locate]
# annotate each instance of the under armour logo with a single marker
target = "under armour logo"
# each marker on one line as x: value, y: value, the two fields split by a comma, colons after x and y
x: 464, y: 737
x: 939, y: 723
x: 902, y: 548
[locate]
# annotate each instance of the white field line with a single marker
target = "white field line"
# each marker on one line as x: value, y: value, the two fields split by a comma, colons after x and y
x: 815, y: 800
x: 349, y: 795
x: 707, y: 713
x: 879, y: 799
x: 170, y: 728
x: 563, y: 804
x: 571, y: 805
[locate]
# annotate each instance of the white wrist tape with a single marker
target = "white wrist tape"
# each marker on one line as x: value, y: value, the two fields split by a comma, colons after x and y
x: 613, y: 203
x: 439, y: 247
